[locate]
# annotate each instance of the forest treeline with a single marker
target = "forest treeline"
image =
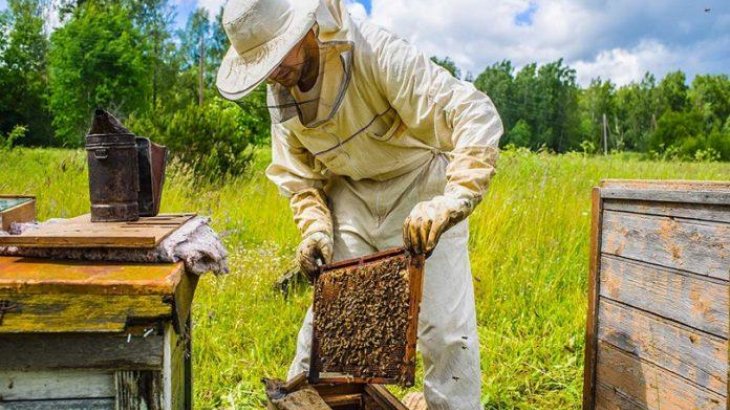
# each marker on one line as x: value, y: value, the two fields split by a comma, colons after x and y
x: 127, y: 56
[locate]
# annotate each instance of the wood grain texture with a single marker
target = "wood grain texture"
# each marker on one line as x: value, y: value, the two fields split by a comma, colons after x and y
x: 80, y: 232
x: 39, y: 351
x: 650, y: 385
x: 695, y: 246
x: 138, y: 390
x: 21, y: 212
x: 712, y: 213
x: 384, y: 398
x: 685, y: 298
x: 62, y: 384
x: 66, y: 404
x: 173, y: 371
x: 35, y: 275
x: 696, y: 356
x: 591, y: 340
x: 704, y: 192
x: 72, y: 312
x: 612, y: 398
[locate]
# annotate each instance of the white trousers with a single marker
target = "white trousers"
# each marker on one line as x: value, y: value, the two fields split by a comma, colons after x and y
x: 368, y: 217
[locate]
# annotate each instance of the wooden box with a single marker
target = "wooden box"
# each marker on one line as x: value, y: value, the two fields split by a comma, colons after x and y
x: 658, y: 314
x: 94, y: 335
x: 366, y: 319
x: 16, y: 208
x: 349, y: 396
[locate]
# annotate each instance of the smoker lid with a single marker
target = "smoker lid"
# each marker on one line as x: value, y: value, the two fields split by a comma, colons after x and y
x: 105, y: 123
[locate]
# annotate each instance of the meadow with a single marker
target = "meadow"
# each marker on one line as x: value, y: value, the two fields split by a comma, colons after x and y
x: 529, y: 254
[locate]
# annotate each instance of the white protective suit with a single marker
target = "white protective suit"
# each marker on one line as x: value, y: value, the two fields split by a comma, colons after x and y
x: 392, y: 129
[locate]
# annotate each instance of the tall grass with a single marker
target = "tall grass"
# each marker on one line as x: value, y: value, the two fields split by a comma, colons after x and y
x: 529, y: 253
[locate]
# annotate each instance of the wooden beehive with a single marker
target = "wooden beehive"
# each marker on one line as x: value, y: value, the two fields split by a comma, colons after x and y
x: 16, y: 208
x: 335, y: 396
x: 366, y: 319
x: 658, y: 314
x: 77, y: 335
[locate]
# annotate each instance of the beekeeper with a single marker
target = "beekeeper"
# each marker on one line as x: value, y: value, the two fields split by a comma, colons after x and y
x: 376, y: 147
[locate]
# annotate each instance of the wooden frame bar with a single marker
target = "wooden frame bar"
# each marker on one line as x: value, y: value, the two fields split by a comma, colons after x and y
x: 416, y: 271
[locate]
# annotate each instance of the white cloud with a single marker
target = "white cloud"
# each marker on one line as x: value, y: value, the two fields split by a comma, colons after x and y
x: 357, y: 10
x: 623, y: 66
x: 619, y: 39
x: 213, y: 6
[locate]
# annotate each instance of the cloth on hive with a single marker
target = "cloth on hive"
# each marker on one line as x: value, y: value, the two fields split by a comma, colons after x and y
x: 194, y: 243
x: 293, y: 395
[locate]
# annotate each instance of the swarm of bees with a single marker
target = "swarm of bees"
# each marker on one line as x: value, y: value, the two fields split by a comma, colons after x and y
x: 361, y: 319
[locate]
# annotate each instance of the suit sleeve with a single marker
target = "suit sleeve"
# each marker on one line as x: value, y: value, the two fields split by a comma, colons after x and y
x: 448, y: 114
x: 299, y: 176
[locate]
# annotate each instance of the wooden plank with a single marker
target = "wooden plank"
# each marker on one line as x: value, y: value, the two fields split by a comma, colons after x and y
x: 343, y: 400
x: 694, y: 246
x: 650, y: 385
x: 80, y: 232
x: 696, y: 356
x: 138, y: 390
x: 590, y: 355
x: 173, y: 371
x: 703, y: 192
x: 384, y: 398
x: 62, y: 384
x: 80, y: 351
x: 183, y: 301
x: 712, y: 213
x: 611, y: 398
x: 35, y: 275
x: 19, y: 209
x: 68, y: 404
x: 72, y: 312
x: 684, y: 298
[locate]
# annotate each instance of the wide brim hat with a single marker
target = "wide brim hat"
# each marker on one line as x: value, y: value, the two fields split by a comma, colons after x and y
x: 261, y: 36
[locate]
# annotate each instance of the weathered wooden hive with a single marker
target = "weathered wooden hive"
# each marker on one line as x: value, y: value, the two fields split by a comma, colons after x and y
x: 658, y: 314
x: 81, y: 335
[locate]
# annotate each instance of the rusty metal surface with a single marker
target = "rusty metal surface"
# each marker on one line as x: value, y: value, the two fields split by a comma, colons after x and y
x: 113, y: 170
x: 152, y: 162
x: 44, y: 275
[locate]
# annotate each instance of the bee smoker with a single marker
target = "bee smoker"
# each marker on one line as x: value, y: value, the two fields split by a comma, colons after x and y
x: 126, y: 172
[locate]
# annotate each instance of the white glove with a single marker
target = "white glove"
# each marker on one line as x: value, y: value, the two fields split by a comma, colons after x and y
x: 428, y: 220
x: 316, y: 246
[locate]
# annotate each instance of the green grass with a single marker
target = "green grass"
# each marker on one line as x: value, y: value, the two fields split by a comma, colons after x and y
x: 529, y: 250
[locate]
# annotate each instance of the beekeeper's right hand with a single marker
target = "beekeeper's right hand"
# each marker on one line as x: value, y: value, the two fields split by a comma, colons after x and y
x: 316, y: 246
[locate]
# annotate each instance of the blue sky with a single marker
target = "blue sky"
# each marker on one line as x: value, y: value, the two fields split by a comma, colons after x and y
x: 611, y: 39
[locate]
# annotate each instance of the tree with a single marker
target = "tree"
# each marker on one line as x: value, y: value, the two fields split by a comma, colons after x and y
x: 154, y: 19
x: 195, y: 41
x: 497, y: 82
x: 23, y: 77
x: 710, y: 94
x: 638, y: 107
x: 597, y: 101
x: 98, y: 58
x: 448, y: 64
x: 673, y: 92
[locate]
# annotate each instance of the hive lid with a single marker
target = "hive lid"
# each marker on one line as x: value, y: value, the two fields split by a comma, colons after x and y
x: 80, y: 232
x: 48, y: 296
x: 8, y: 202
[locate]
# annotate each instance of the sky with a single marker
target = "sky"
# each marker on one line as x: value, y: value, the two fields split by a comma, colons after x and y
x: 613, y: 39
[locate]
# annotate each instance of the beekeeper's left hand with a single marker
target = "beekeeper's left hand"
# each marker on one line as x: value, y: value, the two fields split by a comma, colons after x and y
x: 430, y: 219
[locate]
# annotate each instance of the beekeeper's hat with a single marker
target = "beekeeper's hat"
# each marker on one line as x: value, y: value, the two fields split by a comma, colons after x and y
x: 261, y: 32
